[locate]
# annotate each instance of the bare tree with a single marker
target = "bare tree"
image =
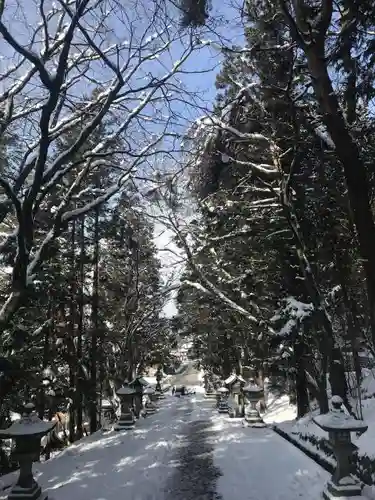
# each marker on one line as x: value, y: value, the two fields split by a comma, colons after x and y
x: 117, y: 53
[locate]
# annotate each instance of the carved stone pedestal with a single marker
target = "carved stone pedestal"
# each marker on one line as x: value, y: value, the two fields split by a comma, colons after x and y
x: 252, y: 417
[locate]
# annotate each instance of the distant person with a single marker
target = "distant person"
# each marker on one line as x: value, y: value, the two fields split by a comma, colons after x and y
x: 173, y: 390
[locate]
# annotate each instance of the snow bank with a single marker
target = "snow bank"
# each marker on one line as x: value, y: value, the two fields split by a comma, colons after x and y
x: 313, y: 438
x: 279, y: 409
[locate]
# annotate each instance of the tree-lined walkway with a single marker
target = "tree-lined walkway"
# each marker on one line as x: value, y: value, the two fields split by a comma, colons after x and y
x: 186, y: 451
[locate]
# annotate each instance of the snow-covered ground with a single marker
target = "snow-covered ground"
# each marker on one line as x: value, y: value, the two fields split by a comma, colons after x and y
x: 279, y: 409
x: 143, y: 463
x: 134, y: 464
x: 306, y: 426
x: 258, y: 464
x: 314, y: 439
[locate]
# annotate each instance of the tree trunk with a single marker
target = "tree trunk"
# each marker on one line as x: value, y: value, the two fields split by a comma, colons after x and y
x: 79, y: 374
x: 345, y: 146
x: 326, y: 341
x: 95, y: 328
x: 72, y: 362
x: 47, y: 333
x: 302, y: 396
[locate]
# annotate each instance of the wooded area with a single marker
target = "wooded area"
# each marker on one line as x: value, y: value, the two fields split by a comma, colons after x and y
x: 281, y: 254
x: 279, y: 271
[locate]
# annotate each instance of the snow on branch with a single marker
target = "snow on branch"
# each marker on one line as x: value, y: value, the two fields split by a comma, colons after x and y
x: 80, y: 90
x: 205, y: 284
x: 293, y: 313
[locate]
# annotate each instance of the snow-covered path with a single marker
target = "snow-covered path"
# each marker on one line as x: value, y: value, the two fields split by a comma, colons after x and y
x: 184, y: 452
x: 135, y: 465
x: 258, y: 464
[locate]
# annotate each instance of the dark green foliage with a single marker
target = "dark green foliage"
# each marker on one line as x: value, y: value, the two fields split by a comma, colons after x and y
x: 283, y: 246
x: 194, y: 12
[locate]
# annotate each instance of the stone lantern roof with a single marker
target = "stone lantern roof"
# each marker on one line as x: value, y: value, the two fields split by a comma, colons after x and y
x: 125, y: 390
x: 149, y: 390
x: 252, y: 387
x: 29, y: 425
x: 232, y: 379
x: 139, y: 381
x: 338, y: 420
x: 223, y: 390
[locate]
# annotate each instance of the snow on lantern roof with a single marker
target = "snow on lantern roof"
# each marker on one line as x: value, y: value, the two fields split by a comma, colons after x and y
x: 106, y: 404
x: 234, y: 378
x: 223, y: 389
x: 125, y: 390
x: 29, y: 425
x: 336, y: 419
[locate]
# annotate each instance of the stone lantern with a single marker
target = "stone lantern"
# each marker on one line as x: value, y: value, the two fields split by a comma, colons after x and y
x: 253, y: 393
x: 221, y: 393
x: 237, y: 393
x: 222, y: 400
x: 107, y: 414
x: 158, y: 389
x: 159, y: 378
x: 27, y: 433
x: 126, y: 395
x: 339, y: 425
x: 210, y: 390
x: 150, y: 406
x: 138, y: 384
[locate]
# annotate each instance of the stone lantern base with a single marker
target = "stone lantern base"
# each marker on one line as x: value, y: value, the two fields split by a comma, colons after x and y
x: 159, y: 394
x: 348, y: 488
x: 150, y: 409
x: 223, y: 406
x: 210, y: 395
x: 126, y: 421
x: 33, y: 493
x: 154, y: 397
x: 253, y: 419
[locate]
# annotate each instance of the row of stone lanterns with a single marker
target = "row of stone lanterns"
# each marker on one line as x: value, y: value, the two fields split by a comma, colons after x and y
x: 131, y: 398
x: 27, y: 433
x: 252, y: 392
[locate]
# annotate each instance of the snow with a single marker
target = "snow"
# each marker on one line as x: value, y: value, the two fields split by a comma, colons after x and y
x: 294, y: 313
x: 137, y: 464
x: 151, y: 380
x: 259, y: 464
x: 133, y: 464
x: 234, y: 378
x: 279, y: 409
